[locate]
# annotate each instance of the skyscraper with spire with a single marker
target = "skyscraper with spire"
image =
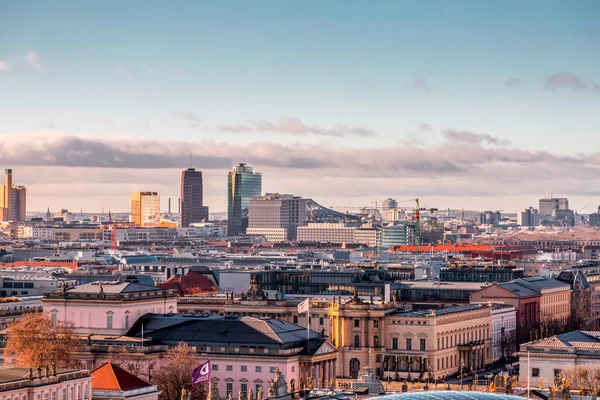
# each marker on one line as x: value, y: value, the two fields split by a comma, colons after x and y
x: 192, y: 208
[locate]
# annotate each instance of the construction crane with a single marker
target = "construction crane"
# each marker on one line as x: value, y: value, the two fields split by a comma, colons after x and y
x: 417, y: 214
x: 418, y: 210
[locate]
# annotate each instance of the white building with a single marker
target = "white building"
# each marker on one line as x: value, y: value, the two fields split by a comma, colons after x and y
x: 37, y: 232
x: 107, y: 308
x: 273, y: 235
x: 504, y: 329
x: 202, y: 231
x: 276, y: 211
x: 549, y: 358
x: 326, y: 233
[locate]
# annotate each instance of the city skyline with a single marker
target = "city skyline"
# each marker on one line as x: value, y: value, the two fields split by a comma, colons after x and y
x: 469, y: 105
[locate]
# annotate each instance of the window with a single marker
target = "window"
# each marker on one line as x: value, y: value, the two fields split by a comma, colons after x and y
x: 356, y: 341
x: 244, y: 368
x: 395, y: 343
x: 409, y: 344
x: 557, y: 373
x: 293, y: 369
x: 376, y: 323
x: 109, y: 324
x: 244, y: 390
x: 215, y: 367
x: 257, y: 369
x: 229, y: 368
x: 356, y: 323
x: 321, y: 321
x: 54, y: 318
x: 421, y: 344
x: 295, y: 319
x: 376, y: 341
x: 229, y: 389
x: 272, y: 370
x: 127, y: 321
x: 535, y: 372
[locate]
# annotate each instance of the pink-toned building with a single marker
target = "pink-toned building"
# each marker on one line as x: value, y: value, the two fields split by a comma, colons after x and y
x: 107, y: 308
x: 19, y: 384
x: 244, y: 351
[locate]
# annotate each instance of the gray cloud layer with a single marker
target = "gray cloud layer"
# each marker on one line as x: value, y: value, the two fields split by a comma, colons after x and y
x: 294, y: 126
x: 565, y: 80
x: 462, y: 152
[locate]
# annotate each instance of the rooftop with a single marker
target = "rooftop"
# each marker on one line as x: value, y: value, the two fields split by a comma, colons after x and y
x: 587, y: 339
x: 437, y: 312
x: 448, y: 395
x: 225, y: 331
x: 114, y: 378
x: 474, y: 286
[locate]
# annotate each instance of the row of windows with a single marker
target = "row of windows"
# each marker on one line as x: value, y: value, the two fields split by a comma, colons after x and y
x: 243, y: 389
x: 18, y: 285
x: 408, y: 344
x: 244, y: 368
x: 454, y: 340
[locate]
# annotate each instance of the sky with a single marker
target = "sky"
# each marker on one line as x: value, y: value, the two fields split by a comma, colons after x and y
x: 481, y: 105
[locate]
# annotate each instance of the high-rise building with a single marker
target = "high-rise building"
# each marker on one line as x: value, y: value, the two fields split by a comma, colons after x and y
x: 276, y: 216
x: 388, y: 204
x: 548, y: 205
x: 528, y: 217
x: 192, y: 206
x: 145, y: 209
x: 595, y: 218
x: 242, y: 185
x: 13, y: 200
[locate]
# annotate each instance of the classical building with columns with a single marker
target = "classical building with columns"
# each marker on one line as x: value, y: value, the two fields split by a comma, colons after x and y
x: 370, y: 333
x: 436, y: 343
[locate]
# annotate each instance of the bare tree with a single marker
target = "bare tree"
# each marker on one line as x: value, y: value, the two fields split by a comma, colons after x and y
x: 136, y: 363
x: 585, y: 378
x: 176, y: 376
x: 38, y: 341
x: 509, y: 345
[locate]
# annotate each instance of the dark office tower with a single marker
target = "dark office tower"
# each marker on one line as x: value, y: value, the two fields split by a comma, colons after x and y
x: 192, y: 207
x: 242, y: 185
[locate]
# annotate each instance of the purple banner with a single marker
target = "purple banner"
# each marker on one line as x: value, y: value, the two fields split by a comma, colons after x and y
x: 201, y: 374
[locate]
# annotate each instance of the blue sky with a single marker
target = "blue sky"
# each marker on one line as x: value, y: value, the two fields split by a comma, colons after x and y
x: 220, y: 75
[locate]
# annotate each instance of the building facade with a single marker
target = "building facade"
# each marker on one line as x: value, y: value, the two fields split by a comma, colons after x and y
x: 13, y: 200
x: 242, y: 185
x: 16, y: 383
x: 550, y: 358
x: 145, y: 209
x: 528, y: 217
x: 192, y: 207
x: 273, y: 212
x: 326, y: 233
x: 107, y: 308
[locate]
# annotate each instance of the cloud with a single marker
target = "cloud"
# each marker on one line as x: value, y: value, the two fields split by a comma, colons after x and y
x: 4, y: 66
x: 513, y: 83
x: 48, y: 162
x: 424, y: 127
x: 49, y: 125
x: 146, y: 68
x: 294, y: 126
x: 595, y: 87
x: 32, y: 60
x: 468, y: 137
x: 565, y: 80
x: 421, y: 83
x: 187, y: 116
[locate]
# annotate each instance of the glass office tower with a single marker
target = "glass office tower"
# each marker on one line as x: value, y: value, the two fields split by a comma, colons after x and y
x: 242, y: 185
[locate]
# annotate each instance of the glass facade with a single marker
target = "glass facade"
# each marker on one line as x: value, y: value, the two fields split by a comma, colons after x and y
x: 242, y: 185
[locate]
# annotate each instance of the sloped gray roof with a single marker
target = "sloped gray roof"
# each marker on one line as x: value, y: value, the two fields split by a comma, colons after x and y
x: 226, y: 331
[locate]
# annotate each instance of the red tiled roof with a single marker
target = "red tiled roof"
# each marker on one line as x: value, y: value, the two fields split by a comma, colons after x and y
x: 190, y: 284
x: 111, y: 377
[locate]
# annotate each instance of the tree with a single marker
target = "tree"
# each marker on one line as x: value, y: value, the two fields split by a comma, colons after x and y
x: 585, y: 378
x: 37, y: 341
x: 137, y: 364
x: 177, y: 374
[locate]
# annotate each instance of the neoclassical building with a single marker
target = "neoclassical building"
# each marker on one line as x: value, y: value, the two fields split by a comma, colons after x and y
x: 396, y: 343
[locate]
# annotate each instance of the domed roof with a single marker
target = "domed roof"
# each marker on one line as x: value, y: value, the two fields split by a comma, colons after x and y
x: 447, y: 395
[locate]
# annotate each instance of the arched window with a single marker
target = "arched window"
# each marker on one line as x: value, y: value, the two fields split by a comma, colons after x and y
x: 354, y: 368
x: 376, y: 341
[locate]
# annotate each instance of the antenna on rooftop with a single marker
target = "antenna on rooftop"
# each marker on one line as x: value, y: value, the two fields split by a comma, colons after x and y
x: 190, y: 159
